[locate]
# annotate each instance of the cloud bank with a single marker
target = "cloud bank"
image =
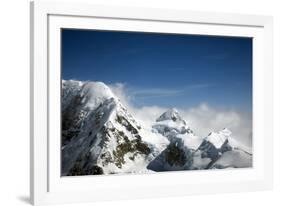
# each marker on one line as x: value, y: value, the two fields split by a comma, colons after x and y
x: 202, y: 119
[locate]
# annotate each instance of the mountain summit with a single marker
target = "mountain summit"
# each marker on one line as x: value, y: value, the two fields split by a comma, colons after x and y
x: 171, y: 114
x: 170, y: 124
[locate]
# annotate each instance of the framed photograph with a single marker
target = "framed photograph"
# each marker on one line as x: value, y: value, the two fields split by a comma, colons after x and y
x: 142, y: 103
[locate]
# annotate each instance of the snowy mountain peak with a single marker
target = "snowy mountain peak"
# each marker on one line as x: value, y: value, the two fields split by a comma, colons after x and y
x: 91, y: 94
x: 170, y: 124
x: 218, y: 138
x: 226, y: 132
x: 94, y: 93
x: 171, y: 114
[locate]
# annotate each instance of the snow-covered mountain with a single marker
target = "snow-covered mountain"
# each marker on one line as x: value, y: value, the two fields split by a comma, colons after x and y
x: 183, y: 143
x: 187, y: 151
x: 99, y: 136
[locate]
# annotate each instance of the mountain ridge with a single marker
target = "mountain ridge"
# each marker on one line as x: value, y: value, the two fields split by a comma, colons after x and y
x: 100, y: 136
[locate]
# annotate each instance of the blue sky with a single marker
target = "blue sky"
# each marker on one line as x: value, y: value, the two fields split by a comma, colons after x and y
x: 164, y: 69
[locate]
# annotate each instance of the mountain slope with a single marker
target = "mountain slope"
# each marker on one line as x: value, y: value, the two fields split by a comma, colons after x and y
x: 99, y: 136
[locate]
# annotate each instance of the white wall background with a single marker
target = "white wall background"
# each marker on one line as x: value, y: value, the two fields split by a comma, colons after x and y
x: 14, y: 100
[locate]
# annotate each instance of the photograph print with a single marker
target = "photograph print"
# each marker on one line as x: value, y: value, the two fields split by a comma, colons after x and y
x: 139, y: 102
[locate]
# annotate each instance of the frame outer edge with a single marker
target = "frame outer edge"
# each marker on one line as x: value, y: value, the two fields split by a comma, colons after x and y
x: 137, y: 13
x: 268, y: 27
x: 38, y: 98
x: 39, y: 11
x: 31, y: 109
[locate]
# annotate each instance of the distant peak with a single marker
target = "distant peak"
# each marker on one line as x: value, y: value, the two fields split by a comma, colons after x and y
x: 170, y: 114
x: 218, y: 138
x: 173, y: 110
x: 225, y: 131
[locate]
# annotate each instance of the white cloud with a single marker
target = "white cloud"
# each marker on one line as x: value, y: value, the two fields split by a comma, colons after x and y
x: 166, y: 92
x: 157, y: 92
x: 202, y: 119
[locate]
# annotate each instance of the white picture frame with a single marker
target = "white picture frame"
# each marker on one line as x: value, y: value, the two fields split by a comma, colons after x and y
x: 47, y: 186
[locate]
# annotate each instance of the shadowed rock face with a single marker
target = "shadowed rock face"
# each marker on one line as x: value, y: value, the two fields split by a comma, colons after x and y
x: 72, y: 118
x: 174, y: 158
x: 210, y: 151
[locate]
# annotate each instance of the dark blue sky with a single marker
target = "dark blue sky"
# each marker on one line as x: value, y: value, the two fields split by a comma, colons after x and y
x: 164, y: 69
